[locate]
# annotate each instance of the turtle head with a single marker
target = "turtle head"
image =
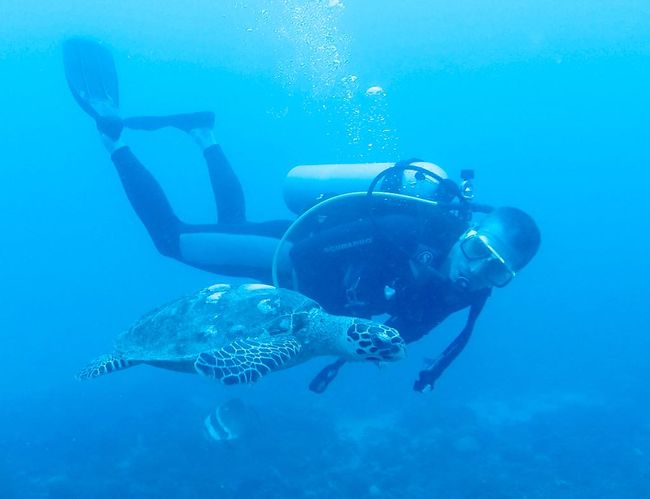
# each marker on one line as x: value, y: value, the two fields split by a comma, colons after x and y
x: 369, y: 340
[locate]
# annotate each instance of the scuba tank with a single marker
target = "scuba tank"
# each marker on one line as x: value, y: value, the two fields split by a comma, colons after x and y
x: 307, y: 185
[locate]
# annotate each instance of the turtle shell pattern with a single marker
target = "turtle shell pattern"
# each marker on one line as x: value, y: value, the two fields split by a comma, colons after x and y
x: 213, y: 318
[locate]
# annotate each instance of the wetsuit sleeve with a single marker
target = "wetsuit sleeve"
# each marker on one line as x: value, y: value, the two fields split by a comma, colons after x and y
x: 430, y: 375
x: 412, y: 330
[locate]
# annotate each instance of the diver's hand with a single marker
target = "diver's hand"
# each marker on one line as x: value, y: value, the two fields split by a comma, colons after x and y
x: 425, y: 381
x: 322, y: 380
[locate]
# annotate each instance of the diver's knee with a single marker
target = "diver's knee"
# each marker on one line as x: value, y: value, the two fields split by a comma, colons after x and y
x: 168, y: 245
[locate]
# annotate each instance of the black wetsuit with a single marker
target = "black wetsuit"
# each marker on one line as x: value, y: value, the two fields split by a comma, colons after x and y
x: 386, y: 265
x: 389, y: 264
x: 384, y: 260
x: 167, y: 230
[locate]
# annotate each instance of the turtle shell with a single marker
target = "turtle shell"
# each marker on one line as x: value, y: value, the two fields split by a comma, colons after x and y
x: 213, y: 318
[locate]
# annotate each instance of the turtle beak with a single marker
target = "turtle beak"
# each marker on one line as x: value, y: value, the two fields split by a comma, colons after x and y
x: 389, y: 344
x: 376, y: 342
x: 397, y: 348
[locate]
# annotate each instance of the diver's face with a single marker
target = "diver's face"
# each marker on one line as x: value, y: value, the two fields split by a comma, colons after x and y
x: 473, y: 264
x: 464, y: 273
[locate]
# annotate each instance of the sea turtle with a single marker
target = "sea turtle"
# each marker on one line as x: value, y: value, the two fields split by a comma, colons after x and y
x: 239, y: 334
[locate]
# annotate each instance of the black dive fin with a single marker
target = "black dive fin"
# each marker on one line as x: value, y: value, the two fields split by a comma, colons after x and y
x: 185, y: 121
x: 91, y: 75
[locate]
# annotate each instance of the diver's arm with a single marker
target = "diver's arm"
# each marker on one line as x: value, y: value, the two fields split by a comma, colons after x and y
x: 412, y: 330
x: 434, y: 370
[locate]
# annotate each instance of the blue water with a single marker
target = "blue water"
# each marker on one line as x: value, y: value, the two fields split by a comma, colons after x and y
x: 547, y: 101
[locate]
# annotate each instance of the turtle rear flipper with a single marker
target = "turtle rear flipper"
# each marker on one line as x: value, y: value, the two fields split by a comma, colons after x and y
x: 247, y: 360
x: 104, y: 365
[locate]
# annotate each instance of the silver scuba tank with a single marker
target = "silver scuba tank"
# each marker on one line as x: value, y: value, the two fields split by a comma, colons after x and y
x: 307, y: 185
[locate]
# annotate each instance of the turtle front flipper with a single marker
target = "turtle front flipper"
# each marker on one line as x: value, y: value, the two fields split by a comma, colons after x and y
x: 104, y: 365
x: 247, y: 360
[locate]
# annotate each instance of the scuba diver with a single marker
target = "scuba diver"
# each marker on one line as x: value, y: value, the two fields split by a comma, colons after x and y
x: 398, y: 240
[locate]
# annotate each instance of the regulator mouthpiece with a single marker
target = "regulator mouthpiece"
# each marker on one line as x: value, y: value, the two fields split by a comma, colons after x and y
x: 462, y: 282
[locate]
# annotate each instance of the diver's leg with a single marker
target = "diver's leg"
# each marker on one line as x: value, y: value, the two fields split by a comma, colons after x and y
x: 227, y: 190
x: 322, y: 380
x: 235, y: 248
x: 228, y: 193
x: 149, y: 201
x: 238, y: 250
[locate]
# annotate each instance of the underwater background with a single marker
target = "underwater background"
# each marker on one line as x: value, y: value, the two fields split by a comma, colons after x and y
x: 547, y: 101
